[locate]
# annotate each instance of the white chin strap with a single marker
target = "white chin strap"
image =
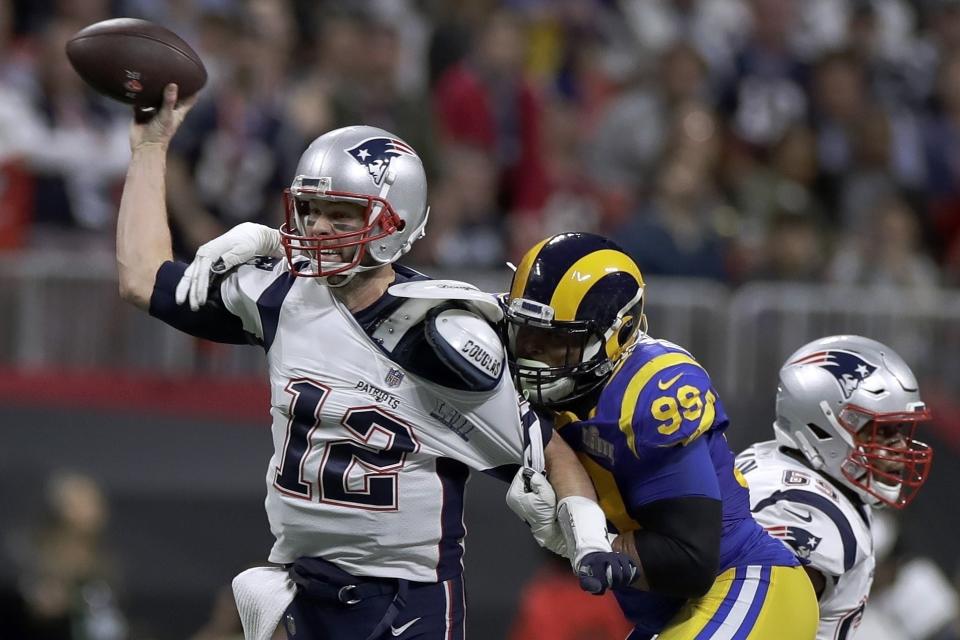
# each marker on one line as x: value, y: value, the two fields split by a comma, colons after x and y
x: 339, y: 279
x: 889, y: 491
x: 550, y: 391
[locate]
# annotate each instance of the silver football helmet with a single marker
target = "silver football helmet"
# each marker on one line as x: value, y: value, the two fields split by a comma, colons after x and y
x: 366, y: 166
x: 851, y: 405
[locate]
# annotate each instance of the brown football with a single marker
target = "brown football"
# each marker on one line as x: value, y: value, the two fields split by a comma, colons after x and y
x: 132, y: 60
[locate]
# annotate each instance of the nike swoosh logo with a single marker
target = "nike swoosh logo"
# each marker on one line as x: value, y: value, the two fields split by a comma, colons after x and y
x: 396, y: 631
x: 800, y: 516
x: 669, y: 383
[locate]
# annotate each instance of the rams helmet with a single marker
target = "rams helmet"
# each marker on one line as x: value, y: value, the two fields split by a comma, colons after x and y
x: 851, y: 405
x: 575, y: 305
x: 361, y: 165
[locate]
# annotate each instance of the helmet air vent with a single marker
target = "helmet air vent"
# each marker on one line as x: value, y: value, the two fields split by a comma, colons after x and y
x: 818, y: 431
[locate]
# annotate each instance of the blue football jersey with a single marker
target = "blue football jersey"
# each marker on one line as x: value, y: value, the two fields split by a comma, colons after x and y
x: 657, y: 432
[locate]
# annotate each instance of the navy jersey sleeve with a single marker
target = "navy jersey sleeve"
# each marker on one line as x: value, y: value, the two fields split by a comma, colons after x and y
x: 211, y: 322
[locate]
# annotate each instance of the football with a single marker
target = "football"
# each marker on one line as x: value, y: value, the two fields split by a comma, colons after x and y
x: 132, y: 60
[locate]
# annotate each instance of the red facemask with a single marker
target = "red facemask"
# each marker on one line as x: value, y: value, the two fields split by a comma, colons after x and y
x: 375, y: 227
x: 886, y: 453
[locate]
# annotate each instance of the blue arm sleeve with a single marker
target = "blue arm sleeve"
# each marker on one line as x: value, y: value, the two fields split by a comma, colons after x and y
x: 671, y: 472
x: 211, y: 322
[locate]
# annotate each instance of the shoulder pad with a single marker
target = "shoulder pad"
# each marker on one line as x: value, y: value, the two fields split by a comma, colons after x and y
x: 485, y: 303
x: 816, y: 528
x: 468, y: 345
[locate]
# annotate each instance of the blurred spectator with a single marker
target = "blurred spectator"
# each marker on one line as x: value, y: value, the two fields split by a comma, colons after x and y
x: 67, y: 585
x: 632, y: 132
x: 765, y: 95
x: 486, y: 101
x: 227, y: 163
x: 768, y: 194
x: 840, y: 98
x: 573, y: 200
x: 453, y: 33
x: 553, y: 607
x: 938, y: 39
x: 674, y: 234
x: 15, y: 184
x: 865, y: 152
x: 716, y: 27
x: 574, y: 104
x: 466, y: 229
x: 943, y: 160
x: 887, y: 252
x: 880, y: 35
x: 72, y: 142
x: 794, y: 250
x: 374, y: 94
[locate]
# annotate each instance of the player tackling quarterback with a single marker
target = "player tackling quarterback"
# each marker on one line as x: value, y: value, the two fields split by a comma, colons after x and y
x: 847, y: 409
x: 648, y: 426
x: 381, y: 401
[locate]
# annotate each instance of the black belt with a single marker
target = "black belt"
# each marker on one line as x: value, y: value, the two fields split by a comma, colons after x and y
x: 322, y: 580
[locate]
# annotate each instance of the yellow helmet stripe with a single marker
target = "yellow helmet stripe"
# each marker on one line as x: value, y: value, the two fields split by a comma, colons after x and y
x: 584, y: 273
x: 523, y: 270
x: 635, y: 387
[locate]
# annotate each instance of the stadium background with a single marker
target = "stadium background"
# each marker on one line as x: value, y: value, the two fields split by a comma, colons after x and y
x: 781, y: 170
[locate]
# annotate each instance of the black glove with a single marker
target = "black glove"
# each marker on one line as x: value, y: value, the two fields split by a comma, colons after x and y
x: 602, y: 570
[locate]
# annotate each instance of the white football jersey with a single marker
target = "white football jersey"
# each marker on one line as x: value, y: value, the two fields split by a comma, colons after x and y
x: 370, y: 461
x: 823, y: 527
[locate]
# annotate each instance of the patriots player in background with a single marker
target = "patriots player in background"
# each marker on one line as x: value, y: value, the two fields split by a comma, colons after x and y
x: 847, y: 409
x: 648, y: 426
x: 381, y: 402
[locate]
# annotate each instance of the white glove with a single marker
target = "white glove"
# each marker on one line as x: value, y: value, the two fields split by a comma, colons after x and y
x: 584, y: 528
x: 532, y: 498
x: 242, y: 243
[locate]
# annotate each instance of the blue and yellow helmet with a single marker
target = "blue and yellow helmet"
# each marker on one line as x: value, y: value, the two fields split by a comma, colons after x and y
x: 575, y: 305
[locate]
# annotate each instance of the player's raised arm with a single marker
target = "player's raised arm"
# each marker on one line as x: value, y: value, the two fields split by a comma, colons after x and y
x: 143, y: 234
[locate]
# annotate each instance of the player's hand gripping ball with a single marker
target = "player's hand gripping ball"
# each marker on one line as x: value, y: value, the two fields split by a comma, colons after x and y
x: 132, y: 61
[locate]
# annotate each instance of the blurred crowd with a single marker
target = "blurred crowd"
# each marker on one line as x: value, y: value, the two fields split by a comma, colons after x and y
x: 733, y: 140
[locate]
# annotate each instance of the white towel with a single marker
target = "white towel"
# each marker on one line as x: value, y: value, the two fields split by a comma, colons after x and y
x: 262, y: 595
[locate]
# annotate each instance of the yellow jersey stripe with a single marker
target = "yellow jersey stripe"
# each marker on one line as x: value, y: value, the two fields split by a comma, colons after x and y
x: 582, y: 275
x: 523, y: 270
x: 640, y: 379
x: 609, y: 495
x: 562, y: 419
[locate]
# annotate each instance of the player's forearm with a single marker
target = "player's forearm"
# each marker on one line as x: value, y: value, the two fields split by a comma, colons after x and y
x: 143, y: 234
x: 678, y: 548
x: 625, y: 543
x: 565, y: 472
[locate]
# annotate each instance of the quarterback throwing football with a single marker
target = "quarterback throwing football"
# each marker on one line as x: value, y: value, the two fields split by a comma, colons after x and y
x: 380, y: 402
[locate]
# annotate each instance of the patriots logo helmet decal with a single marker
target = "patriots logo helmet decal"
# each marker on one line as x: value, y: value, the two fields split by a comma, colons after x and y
x: 376, y: 154
x: 847, y: 367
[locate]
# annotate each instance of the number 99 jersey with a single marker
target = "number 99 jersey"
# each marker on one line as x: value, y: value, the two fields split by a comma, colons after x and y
x: 656, y: 433
x: 824, y: 528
